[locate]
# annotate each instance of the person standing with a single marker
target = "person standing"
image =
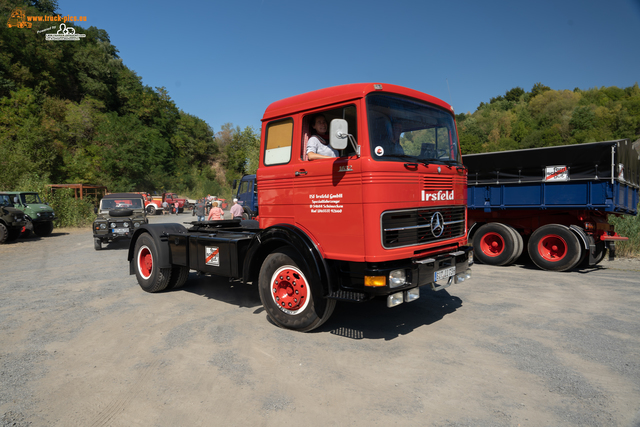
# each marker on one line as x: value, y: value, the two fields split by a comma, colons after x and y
x: 215, y: 213
x: 236, y: 210
x: 200, y: 208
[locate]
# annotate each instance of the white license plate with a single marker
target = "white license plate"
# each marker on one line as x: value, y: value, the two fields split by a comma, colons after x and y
x: 444, y: 274
x: 120, y: 230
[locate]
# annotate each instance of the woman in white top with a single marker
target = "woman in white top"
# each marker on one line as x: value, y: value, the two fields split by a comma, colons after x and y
x: 318, y: 145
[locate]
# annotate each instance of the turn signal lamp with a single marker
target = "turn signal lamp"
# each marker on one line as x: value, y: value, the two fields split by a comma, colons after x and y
x: 588, y: 226
x: 375, y: 281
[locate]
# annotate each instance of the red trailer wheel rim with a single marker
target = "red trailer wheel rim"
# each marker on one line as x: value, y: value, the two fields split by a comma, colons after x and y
x: 492, y: 244
x: 552, y: 248
x: 145, y: 262
x: 289, y: 290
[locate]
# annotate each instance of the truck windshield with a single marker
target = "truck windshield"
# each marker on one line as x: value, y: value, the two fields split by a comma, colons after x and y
x: 404, y: 129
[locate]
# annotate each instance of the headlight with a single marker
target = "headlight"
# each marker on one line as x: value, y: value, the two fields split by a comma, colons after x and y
x: 136, y: 224
x: 397, y: 278
x: 103, y: 226
x: 126, y: 224
x: 113, y: 225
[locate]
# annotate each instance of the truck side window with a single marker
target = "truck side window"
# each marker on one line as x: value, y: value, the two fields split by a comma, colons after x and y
x: 279, y: 137
x: 347, y: 113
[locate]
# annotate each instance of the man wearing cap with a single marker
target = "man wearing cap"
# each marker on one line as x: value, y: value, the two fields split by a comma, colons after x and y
x: 236, y: 210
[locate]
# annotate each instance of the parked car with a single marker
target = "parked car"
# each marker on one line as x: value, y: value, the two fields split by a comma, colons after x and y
x: 39, y: 215
x: 12, y: 220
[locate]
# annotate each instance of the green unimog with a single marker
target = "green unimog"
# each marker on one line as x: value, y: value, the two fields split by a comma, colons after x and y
x: 39, y: 215
x: 12, y: 220
x: 119, y: 215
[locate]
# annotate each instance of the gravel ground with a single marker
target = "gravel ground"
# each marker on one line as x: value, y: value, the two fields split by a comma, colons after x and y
x: 81, y: 344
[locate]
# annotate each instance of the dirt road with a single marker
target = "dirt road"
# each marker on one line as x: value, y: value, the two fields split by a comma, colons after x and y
x: 82, y: 345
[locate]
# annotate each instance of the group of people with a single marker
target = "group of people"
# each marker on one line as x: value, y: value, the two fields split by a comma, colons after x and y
x: 216, y: 213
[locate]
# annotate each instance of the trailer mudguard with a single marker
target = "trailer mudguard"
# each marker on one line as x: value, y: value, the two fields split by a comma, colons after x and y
x: 160, y: 234
x: 281, y: 235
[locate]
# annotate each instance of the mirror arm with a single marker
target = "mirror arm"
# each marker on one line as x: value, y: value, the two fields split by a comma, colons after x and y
x: 352, y: 140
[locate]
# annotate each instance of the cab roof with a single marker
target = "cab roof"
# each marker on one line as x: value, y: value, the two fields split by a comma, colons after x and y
x: 336, y: 94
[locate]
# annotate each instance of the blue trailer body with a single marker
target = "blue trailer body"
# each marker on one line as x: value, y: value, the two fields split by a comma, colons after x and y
x: 555, y: 201
x: 598, y: 195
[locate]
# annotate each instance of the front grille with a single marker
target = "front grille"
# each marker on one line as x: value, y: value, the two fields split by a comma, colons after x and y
x: 413, y: 226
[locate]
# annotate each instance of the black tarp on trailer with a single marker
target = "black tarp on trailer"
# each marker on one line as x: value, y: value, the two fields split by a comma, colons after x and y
x: 608, y: 160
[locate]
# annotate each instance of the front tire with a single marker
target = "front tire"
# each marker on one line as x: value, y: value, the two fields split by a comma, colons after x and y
x: 151, y: 210
x: 289, y: 295
x: 97, y: 244
x: 151, y: 278
x: 554, y: 247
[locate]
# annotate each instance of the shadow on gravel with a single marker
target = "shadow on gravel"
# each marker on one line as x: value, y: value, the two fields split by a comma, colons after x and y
x: 374, y: 320
x: 220, y: 289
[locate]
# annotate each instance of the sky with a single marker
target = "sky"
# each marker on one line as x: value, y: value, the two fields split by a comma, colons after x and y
x: 226, y: 61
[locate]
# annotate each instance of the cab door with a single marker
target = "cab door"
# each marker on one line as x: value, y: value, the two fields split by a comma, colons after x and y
x: 328, y: 202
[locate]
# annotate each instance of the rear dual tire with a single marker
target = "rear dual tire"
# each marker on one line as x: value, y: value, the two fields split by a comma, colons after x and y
x: 497, y: 244
x: 150, y: 276
x: 555, y: 247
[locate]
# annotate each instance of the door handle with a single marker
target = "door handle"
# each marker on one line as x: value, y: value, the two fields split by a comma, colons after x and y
x: 298, y: 173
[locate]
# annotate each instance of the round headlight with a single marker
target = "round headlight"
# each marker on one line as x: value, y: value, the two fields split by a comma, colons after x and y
x: 397, y: 278
x: 126, y: 224
x: 136, y: 224
x: 113, y: 225
x: 103, y: 226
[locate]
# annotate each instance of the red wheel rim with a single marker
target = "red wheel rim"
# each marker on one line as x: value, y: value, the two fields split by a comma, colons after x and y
x: 492, y: 244
x: 552, y: 248
x: 145, y: 262
x: 289, y: 290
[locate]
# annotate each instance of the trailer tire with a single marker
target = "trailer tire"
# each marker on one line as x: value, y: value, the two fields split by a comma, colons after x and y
x: 151, y: 278
x: 554, y: 247
x: 288, y: 296
x: 496, y: 244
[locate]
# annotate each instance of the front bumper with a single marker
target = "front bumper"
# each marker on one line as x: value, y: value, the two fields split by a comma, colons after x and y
x: 437, y: 272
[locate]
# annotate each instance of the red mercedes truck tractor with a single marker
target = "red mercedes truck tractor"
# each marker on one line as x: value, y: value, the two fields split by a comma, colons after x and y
x: 384, y: 218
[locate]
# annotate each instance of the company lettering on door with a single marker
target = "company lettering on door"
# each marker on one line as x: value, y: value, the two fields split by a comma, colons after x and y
x: 326, y: 203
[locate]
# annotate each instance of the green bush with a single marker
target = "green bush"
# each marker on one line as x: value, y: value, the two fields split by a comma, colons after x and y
x: 628, y: 226
x: 71, y: 212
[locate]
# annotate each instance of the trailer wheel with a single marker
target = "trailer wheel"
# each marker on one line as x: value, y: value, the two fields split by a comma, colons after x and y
x: 288, y: 296
x: 554, y: 247
x: 599, y: 254
x: 496, y: 244
x: 150, y: 277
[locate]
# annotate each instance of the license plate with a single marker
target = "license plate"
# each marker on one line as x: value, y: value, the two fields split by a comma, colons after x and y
x: 444, y: 274
x: 120, y: 230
